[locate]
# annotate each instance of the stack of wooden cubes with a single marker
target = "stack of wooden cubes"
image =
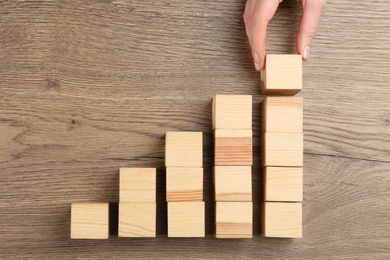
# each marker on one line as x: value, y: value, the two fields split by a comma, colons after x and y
x: 137, y: 202
x: 282, y: 147
x: 184, y: 187
x: 232, y: 126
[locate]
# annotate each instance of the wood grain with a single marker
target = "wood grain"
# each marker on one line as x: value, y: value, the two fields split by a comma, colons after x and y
x: 232, y: 112
x: 89, y: 220
x: 282, y: 184
x: 137, y: 185
x: 282, y: 74
x: 281, y: 219
x: 90, y: 86
x: 282, y: 149
x: 232, y: 183
x: 282, y: 114
x: 186, y: 219
x: 184, y: 184
x: 233, y: 219
x: 184, y: 149
x: 137, y: 219
x: 233, y: 147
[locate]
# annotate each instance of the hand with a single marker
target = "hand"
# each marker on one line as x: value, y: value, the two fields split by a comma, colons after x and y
x: 259, y: 12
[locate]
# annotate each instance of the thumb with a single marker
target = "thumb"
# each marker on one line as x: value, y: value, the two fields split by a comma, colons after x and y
x: 257, y: 15
x: 311, y: 13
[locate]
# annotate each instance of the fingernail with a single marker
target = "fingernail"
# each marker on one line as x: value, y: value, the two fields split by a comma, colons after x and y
x: 306, y: 53
x: 257, y: 66
x: 256, y: 58
x: 256, y: 61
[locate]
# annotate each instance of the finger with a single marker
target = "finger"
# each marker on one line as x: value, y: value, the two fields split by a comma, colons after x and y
x: 311, y: 13
x: 257, y: 16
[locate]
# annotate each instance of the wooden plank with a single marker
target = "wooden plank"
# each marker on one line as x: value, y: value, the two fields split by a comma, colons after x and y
x: 282, y: 184
x: 137, y: 185
x: 282, y: 149
x: 89, y: 220
x: 184, y: 184
x: 282, y: 75
x: 183, y: 149
x: 281, y: 219
x: 282, y: 114
x: 233, y: 219
x: 125, y: 81
x: 232, y: 112
x: 233, y: 147
x: 186, y: 219
x: 233, y: 183
x: 137, y: 219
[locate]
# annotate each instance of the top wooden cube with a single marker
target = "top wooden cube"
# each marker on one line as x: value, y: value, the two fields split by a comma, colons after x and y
x: 232, y: 112
x: 282, y: 75
x: 282, y: 114
x: 137, y: 185
x: 184, y: 149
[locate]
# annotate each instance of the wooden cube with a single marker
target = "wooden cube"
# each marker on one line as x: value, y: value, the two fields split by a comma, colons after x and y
x: 184, y: 149
x: 137, y: 185
x: 186, y: 219
x: 233, y: 183
x: 232, y: 112
x: 233, y: 219
x: 282, y: 75
x: 90, y: 220
x: 137, y: 219
x: 282, y: 114
x: 282, y: 184
x: 184, y: 184
x: 232, y: 147
x: 281, y: 219
x: 282, y: 149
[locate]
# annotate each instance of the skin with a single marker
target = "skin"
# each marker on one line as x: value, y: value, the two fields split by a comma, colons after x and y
x: 257, y: 15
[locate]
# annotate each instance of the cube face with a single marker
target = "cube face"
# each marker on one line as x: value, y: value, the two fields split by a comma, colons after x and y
x: 184, y: 184
x: 137, y: 185
x: 233, y: 183
x: 282, y: 149
x: 282, y: 114
x: 232, y: 112
x: 282, y: 184
x: 233, y: 147
x: 282, y: 75
x: 234, y: 219
x: 186, y: 219
x: 90, y: 220
x: 281, y: 219
x: 137, y: 219
x: 184, y: 149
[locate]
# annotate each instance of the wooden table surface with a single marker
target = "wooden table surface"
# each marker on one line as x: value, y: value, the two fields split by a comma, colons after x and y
x: 87, y: 87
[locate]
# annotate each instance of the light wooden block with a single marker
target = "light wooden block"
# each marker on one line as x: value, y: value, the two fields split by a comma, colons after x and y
x: 232, y: 147
x: 184, y: 184
x: 184, y: 149
x: 186, y: 219
x: 282, y: 114
x: 282, y: 184
x: 282, y: 149
x: 234, y: 219
x: 90, y: 220
x: 281, y: 219
x: 232, y: 112
x: 137, y: 185
x: 282, y: 75
x: 233, y: 183
x: 137, y: 219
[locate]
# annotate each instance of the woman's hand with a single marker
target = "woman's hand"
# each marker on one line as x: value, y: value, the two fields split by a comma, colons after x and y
x: 259, y: 12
